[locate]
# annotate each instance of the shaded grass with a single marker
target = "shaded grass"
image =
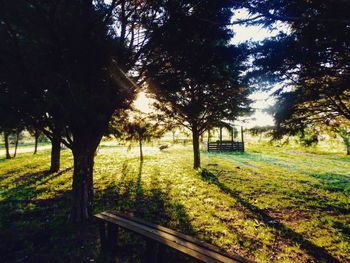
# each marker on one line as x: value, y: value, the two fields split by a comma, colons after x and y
x: 265, y: 205
x: 316, y: 252
x: 298, y: 189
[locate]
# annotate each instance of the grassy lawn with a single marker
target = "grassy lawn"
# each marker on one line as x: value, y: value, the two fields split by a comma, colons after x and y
x: 269, y: 204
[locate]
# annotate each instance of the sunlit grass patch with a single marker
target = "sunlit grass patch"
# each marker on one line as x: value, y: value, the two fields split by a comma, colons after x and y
x: 267, y: 206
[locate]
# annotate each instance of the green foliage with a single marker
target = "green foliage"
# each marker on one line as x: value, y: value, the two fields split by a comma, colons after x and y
x: 197, y: 80
x: 309, y: 137
x: 310, y: 61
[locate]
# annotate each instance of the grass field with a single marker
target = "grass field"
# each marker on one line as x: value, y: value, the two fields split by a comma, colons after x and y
x: 269, y: 204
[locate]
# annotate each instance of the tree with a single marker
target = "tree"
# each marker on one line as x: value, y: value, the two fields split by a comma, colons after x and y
x: 7, y: 147
x: 344, y: 133
x: 9, y: 124
x: 73, y: 60
x: 36, y: 134
x: 24, y: 97
x: 193, y: 71
x: 305, y: 121
x: 261, y: 131
x: 312, y: 61
x: 141, y: 129
x: 17, y: 135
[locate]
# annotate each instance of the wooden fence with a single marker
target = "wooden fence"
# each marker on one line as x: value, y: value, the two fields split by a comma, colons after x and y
x: 226, y: 146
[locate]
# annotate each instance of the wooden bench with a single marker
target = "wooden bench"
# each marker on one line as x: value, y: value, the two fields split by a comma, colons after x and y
x: 156, y: 234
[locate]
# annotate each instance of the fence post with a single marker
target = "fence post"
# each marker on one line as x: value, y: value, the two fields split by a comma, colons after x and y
x: 220, y: 146
x: 232, y: 138
x: 242, y: 139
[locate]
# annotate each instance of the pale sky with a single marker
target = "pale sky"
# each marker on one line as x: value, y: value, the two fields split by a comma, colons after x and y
x: 262, y: 100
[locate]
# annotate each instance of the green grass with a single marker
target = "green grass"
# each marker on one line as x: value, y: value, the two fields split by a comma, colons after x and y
x: 269, y: 204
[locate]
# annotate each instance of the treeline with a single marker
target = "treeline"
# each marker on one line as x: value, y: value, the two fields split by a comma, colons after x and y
x: 16, y: 135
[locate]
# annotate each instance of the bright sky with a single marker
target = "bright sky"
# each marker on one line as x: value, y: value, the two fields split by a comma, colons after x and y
x: 262, y: 100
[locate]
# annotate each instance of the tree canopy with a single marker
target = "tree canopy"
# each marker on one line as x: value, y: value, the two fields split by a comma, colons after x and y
x: 194, y: 72
x: 311, y: 60
x: 66, y: 67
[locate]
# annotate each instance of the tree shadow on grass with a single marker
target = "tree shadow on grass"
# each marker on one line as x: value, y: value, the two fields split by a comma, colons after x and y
x: 332, y: 182
x: 37, y: 230
x: 152, y: 205
x: 24, y: 188
x: 27, y: 227
x: 313, y: 250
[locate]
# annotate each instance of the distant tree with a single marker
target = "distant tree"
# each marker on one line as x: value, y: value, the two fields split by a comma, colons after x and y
x: 166, y: 123
x: 11, y: 136
x: 344, y: 133
x: 193, y: 71
x: 36, y: 134
x: 16, y: 138
x: 256, y: 130
x: 296, y: 119
x: 140, y: 127
x: 142, y: 130
x: 309, y: 136
x: 6, y: 135
x: 10, y: 124
x: 261, y: 130
x: 7, y: 146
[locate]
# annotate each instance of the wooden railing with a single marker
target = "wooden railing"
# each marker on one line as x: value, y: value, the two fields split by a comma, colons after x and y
x: 225, y: 146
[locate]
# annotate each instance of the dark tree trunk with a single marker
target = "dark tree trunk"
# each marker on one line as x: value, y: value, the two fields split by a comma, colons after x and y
x: 16, y: 143
x: 196, y: 153
x: 82, y: 192
x: 7, y: 145
x: 141, y: 153
x: 36, y: 138
x: 55, y: 151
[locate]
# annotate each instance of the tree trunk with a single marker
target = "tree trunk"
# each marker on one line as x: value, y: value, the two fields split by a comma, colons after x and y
x: 196, y: 152
x: 36, y: 138
x: 141, y: 153
x: 7, y: 146
x: 173, y: 132
x: 55, y: 151
x: 16, y: 143
x: 346, y: 140
x: 82, y: 188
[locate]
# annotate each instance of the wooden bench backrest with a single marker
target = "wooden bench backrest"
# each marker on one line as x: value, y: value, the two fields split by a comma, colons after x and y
x: 176, y: 240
